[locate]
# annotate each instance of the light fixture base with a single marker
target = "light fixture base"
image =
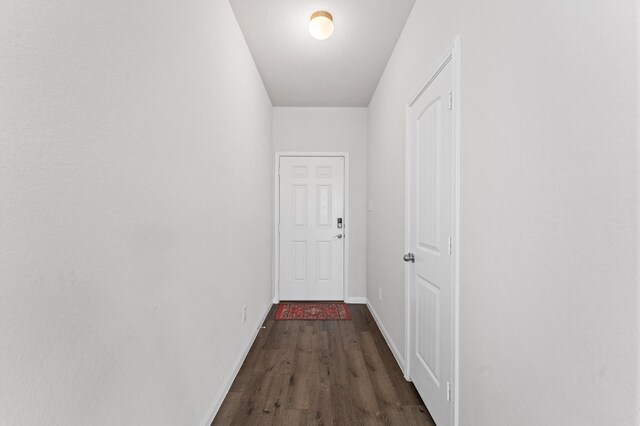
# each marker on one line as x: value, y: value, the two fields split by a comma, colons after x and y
x: 322, y: 13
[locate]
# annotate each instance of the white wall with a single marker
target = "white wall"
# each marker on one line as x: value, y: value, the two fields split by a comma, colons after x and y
x: 135, y: 199
x: 549, y: 209
x: 334, y: 130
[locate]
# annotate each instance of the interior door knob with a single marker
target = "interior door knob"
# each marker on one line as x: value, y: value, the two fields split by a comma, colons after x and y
x: 409, y: 257
x: 337, y: 236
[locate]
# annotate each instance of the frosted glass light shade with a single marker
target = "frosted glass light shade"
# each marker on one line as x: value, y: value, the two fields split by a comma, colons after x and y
x: 321, y: 25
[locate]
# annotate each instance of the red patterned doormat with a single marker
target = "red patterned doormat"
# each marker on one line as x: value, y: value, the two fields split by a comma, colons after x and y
x: 312, y: 311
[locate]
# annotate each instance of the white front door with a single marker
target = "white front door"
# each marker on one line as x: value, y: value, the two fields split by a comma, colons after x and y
x: 430, y: 144
x: 311, y: 228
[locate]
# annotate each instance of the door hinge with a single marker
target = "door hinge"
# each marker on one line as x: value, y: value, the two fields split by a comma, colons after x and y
x: 448, y: 391
x: 450, y: 100
x: 450, y: 245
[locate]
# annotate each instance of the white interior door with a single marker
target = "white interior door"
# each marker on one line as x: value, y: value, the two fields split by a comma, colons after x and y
x: 311, y: 228
x: 430, y: 133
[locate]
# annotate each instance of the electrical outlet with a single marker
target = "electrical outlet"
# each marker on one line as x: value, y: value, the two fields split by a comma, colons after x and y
x: 379, y: 293
x: 244, y: 314
x: 370, y: 206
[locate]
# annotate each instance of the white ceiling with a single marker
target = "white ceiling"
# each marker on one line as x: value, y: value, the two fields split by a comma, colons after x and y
x: 343, y: 70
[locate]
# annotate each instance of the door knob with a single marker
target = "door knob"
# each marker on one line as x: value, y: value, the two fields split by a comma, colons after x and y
x: 409, y: 257
x: 337, y: 236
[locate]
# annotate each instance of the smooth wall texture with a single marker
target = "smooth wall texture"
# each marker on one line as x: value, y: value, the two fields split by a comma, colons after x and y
x: 549, y: 208
x: 334, y: 130
x: 135, y: 182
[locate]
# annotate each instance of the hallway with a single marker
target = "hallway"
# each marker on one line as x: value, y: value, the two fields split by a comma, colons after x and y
x: 322, y: 373
x: 464, y: 175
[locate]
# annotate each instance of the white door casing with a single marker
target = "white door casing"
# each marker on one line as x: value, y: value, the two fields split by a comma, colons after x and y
x: 432, y: 239
x: 311, y: 243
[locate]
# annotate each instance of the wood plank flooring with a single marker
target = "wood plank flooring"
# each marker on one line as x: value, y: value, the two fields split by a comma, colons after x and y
x: 322, y: 373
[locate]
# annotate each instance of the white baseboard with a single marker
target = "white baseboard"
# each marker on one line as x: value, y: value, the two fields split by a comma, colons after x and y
x: 234, y: 372
x: 394, y: 349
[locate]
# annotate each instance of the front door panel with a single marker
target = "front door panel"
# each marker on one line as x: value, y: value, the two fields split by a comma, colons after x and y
x: 311, y: 244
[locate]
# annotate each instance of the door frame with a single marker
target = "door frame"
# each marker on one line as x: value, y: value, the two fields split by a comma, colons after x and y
x: 276, y: 218
x: 451, y: 56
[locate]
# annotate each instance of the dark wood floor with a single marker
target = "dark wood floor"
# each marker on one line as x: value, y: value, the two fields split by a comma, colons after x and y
x: 322, y: 373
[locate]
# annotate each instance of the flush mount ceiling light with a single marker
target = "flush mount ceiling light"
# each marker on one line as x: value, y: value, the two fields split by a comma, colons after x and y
x: 321, y: 25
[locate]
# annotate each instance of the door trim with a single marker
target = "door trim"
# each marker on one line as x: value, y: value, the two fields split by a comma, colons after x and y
x: 452, y: 55
x: 276, y: 218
